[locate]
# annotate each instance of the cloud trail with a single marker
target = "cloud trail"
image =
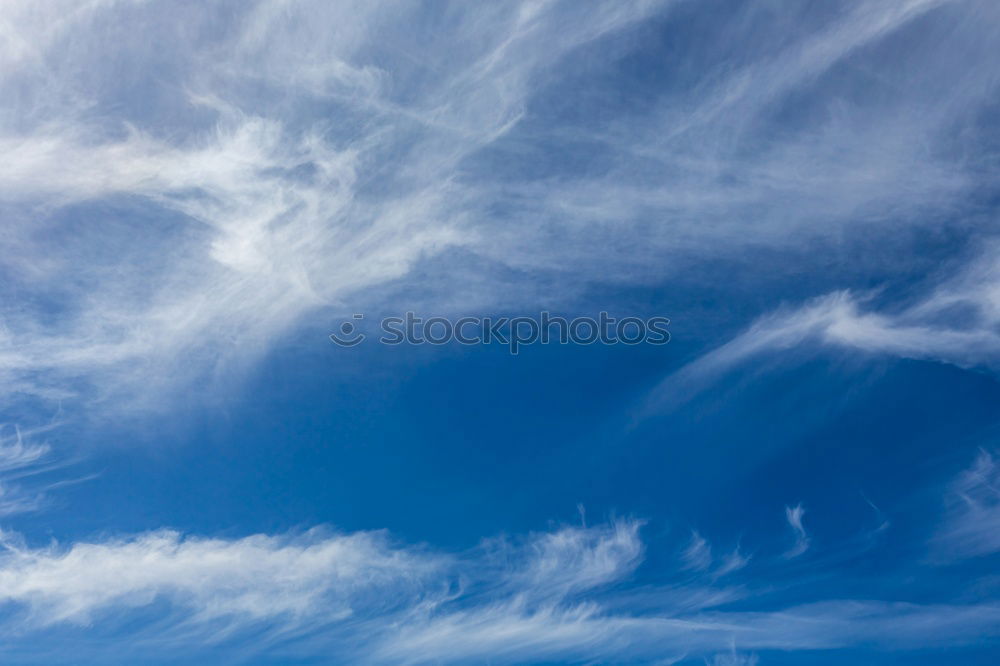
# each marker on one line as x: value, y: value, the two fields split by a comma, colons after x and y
x: 20, y: 457
x: 365, y: 598
x: 294, y: 157
x: 794, y: 516
x: 955, y: 322
x: 549, y: 595
x: 972, y: 519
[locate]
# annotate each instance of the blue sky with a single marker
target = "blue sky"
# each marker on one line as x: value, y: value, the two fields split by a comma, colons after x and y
x: 195, y: 195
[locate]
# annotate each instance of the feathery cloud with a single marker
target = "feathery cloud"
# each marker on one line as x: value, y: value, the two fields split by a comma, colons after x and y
x: 794, y: 516
x: 294, y: 156
x: 362, y: 597
x: 971, y: 524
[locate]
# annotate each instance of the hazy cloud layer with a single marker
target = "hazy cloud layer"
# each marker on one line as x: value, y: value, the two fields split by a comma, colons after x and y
x: 187, y: 182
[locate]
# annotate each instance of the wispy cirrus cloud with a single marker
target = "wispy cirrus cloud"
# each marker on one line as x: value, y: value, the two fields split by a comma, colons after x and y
x: 698, y: 553
x: 21, y: 456
x: 207, y: 579
x: 954, y: 322
x: 184, y: 184
x: 362, y: 597
x: 971, y: 524
x: 793, y: 514
x: 290, y: 157
x: 248, y: 215
x: 697, y: 556
x: 733, y: 658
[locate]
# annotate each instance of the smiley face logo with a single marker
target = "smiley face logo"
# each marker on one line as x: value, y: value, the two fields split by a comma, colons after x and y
x: 349, y: 335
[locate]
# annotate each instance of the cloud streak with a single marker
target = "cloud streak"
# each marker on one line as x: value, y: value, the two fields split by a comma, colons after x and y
x: 971, y: 526
x: 21, y: 457
x: 365, y: 598
x: 955, y: 322
x: 793, y: 514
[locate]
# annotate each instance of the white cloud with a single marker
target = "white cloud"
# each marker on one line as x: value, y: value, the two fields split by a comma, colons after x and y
x: 571, y: 559
x: 732, y: 562
x: 956, y: 322
x: 733, y: 658
x: 20, y: 457
x: 244, y: 579
x: 16, y: 452
x: 698, y: 554
x: 794, y: 516
x: 971, y: 526
x: 722, y: 165
x: 292, y: 156
x: 248, y: 216
x: 362, y: 598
